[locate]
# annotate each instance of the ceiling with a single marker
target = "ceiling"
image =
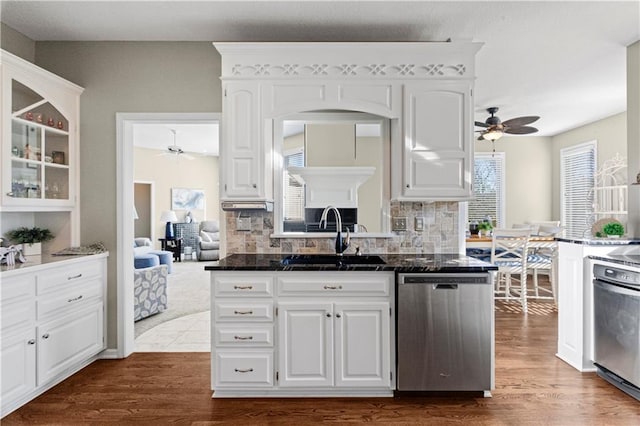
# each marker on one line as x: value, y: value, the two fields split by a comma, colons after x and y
x: 200, y: 138
x: 564, y: 61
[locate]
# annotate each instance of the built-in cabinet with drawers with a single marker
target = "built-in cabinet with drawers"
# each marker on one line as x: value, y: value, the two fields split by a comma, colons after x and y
x: 52, y: 324
x: 302, y: 334
x: 425, y: 89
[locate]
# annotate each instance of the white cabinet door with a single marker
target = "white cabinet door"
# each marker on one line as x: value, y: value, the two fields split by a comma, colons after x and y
x: 305, y: 331
x: 68, y: 340
x: 244, y: 165
x: 438, y: 133
x: 18, y: 360
x: 362, y: 340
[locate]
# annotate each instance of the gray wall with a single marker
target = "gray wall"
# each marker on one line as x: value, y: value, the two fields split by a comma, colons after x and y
x: 17, y: 43
x: 125, y: 77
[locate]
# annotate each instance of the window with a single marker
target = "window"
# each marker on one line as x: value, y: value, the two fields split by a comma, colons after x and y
x: 488, y: 188
x: 577, y: 180
x: 293, y: 190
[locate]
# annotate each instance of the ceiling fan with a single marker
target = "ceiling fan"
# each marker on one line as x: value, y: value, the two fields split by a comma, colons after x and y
x: 175, y: 149
x: 494, y: 128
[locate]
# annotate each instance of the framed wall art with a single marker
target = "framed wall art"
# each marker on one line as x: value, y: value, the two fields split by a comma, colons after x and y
x: 187, y: 199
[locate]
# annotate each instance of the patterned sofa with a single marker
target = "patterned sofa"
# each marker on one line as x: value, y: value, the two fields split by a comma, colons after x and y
x: 149, y: 291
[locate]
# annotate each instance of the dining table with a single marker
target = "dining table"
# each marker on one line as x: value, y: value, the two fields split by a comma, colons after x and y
x: 542, y: 256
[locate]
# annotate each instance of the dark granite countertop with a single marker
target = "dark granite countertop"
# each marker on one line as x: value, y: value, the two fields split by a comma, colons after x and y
x: 405, y: 263
x: 600, y: 241
x: 632, y: 260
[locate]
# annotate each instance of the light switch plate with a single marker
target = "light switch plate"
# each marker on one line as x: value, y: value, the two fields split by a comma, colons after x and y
x: 399, y: 224
x: 243, y: 224
x: 419, y: 224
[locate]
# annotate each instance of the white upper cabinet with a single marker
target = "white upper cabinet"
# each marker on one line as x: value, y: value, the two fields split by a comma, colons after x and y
x: 245, y: 164
x: 437, y: 151
x: 424, y: 89
x: 39, y: 138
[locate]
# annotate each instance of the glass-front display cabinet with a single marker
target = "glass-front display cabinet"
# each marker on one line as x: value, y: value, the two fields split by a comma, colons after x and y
x: 39, y: 137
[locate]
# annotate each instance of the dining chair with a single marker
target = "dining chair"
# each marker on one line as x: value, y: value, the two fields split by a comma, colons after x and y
x: 541, y: 260
x: 509, y: 250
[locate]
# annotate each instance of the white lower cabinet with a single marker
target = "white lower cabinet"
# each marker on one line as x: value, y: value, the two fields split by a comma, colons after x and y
x: 334, y: 344
x: 52, y: 325
x: 332, y: 335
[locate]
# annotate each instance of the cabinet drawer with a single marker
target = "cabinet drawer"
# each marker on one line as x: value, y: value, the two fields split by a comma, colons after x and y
x: 244, y: 368
x: 243, y: 285
x: 50, y: 280
x: 330, y: 284
x: 243, y: 335
x: 18, y: 288
x: 18, y: 314
x: 72, y: 297
x: 239, y: 310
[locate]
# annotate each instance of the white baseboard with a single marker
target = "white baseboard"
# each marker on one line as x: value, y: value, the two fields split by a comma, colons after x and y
x: 109, y: 354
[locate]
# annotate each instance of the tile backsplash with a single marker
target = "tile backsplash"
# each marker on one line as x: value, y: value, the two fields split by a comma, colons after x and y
x: 439, y: 235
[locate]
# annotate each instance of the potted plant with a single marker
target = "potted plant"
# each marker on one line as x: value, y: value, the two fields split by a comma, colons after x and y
x: 485, y: 228
x: 613, y: 229
x: 30, y: 238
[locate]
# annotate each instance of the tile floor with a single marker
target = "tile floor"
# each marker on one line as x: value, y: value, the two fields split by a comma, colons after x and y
x: 190, y: 333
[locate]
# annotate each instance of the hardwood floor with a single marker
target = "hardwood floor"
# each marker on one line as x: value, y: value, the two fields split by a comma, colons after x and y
x: 533, y: 387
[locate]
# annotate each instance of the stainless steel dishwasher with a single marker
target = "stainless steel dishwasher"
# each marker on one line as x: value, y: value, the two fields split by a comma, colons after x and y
x: 445, y: 332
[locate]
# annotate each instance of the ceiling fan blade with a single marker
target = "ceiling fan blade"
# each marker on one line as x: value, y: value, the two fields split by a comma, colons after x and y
x: 481, y: 124
x: 520, y: 121
x: 524, y: 130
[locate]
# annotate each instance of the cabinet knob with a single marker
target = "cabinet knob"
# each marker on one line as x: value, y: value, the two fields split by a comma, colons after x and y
x: 328, y: 315
x: 246, y: 370
x: 255, y: 186
x: 31, y: 342
x: 338, y: 316
x: 45, y: 336
x: 407, y: 185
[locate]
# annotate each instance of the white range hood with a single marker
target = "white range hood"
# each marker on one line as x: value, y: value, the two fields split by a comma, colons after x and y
x: 336, y: 186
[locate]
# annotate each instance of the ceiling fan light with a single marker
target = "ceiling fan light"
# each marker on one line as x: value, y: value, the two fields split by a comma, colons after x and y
x: 492, y: 135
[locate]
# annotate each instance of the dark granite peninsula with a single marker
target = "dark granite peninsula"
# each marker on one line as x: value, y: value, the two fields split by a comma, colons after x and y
x: 443, y: 263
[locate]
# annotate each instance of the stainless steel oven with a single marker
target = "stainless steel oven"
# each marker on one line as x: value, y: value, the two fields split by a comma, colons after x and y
x: 616, y: 303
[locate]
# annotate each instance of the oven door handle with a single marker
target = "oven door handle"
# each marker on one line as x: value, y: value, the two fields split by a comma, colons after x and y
x: 613, y: 288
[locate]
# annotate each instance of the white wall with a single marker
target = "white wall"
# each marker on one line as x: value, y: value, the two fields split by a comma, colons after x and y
x: 528, y: 177
x: 633, y: 135
x: 167, y: 172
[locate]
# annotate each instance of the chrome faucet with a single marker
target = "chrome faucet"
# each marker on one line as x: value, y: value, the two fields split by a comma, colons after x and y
x: 341, y: 244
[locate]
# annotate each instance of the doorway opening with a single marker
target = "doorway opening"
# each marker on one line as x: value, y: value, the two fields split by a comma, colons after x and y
x: 128, y: 126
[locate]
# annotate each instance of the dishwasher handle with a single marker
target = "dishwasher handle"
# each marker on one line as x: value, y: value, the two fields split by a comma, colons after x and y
x: 445, y: 286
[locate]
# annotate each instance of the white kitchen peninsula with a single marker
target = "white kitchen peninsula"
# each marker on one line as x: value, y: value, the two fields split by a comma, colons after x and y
x: 284, y: 330
x: 575, y: 296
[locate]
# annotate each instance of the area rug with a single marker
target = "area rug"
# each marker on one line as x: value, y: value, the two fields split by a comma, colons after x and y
x: 188, y: 292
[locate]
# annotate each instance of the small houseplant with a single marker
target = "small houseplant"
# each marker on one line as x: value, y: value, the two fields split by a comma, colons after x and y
x: 485, y: 227
x: 30, y: 238
x: 613, y: 229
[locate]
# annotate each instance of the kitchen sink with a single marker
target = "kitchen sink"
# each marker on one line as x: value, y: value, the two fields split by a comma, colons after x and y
x: 331, y: 259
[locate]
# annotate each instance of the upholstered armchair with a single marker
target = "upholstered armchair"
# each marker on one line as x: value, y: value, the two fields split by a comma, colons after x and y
x: 208, y: 247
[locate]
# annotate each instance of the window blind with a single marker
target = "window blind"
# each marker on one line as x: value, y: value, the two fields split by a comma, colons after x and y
x: 577, y: 180
x: 293, y: 191
x: 488, y: 188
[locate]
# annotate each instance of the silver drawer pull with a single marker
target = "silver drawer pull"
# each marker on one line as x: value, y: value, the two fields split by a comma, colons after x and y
x: 74, y: 299
x: 243, y: 312
x: 333, y: 287
x: 74, y: 277
x: 243, y: 337
x: 242, y: 287
x: 248, y: 370
x: 45, y: 336
x: 31, y: 342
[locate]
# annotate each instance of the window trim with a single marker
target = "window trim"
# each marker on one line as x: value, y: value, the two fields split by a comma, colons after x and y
x: 502, y: 204
x: 582, y: 148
